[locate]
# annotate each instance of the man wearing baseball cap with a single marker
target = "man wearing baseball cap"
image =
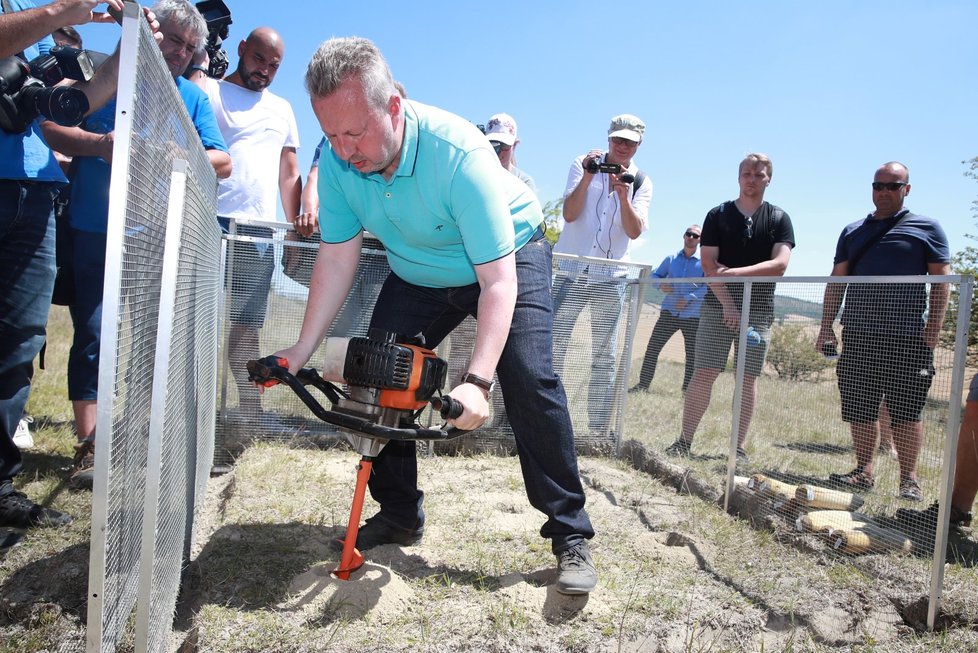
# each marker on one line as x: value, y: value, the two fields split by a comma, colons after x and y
x: 501, y: 132
x: 606, y: 206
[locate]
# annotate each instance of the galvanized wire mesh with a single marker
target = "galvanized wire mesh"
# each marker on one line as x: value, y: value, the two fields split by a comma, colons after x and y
x: 133, y: 519
x: 798, y: 451
x: 594, y: 383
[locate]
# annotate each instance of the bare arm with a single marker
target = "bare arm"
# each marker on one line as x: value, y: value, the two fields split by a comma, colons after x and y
x: 75, y: 141
x: 832, y: 300
x: 221, y: 161
x: 290, y: 183
x: 937, y: 306
x: 308, y: 219
x: 497, y: 299
x: 773, y: 267
x: 632, y: 221
x: 21, y: 29
x: 574, y: 201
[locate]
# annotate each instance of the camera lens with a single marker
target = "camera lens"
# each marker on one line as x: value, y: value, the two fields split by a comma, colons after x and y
x: 64, y: 105
x: 626, y: 177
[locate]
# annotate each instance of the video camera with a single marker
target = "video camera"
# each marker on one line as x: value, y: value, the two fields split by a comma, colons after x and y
x: 28, y: 89
x: 594, y: 166
x: 217, y: 16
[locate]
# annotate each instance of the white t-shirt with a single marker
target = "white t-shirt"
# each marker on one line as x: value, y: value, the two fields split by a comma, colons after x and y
x: 256, y: 126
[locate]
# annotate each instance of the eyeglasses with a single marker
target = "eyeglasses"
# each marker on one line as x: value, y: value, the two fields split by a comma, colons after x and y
x: 690, y: 234
x: 500, y: 147
x: 888, y: 185
x: 748, y: 227
x: 618, y: 140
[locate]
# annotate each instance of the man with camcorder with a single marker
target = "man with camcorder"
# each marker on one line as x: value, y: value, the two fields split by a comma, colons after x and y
x: 30, y: 179
x: 606, y: 207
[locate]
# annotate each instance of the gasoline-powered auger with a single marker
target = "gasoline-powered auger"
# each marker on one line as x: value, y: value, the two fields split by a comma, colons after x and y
x: 390, y: 380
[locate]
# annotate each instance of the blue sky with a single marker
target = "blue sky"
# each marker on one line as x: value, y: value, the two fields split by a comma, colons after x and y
x: 829, y: 90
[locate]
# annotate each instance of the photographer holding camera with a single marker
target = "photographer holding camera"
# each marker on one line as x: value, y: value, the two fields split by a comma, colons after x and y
x: 30, y: 179
x: 606, y: 207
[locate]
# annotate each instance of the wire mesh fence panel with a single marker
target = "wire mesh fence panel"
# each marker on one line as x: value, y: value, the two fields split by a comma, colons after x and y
x: 593, y: 324
x: 152, y: 130
x: 841, y: 449
x: 263, y: 311
x: 594, y: 387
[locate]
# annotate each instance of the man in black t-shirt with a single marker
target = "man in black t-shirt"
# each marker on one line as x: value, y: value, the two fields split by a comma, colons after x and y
x: 747, y: 237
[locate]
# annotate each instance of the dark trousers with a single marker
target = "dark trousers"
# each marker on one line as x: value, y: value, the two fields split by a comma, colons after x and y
x: 664, y: 328
x: 533, y: 395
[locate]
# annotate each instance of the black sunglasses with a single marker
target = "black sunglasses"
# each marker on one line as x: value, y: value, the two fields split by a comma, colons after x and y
x: 500, y: 147
x: 888, y: 185
x: 690, y: 234
x: 748, y: 227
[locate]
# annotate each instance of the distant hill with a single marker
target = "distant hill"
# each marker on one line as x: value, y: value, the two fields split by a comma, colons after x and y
x: 783, y: 304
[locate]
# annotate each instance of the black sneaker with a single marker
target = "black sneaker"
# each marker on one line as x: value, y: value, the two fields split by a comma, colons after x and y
x: 927, y: 519
x: 679, y: 448
x: 377, y: 531
x: 638, y: 388
x: 17, y: 511
x: 575, y: 570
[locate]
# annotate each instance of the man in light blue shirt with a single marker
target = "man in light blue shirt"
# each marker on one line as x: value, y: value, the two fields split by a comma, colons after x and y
x: 680, y: 308
x: 463, y: 238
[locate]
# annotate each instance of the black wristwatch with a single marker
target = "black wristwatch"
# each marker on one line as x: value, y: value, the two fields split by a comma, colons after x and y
x: 476, y: 380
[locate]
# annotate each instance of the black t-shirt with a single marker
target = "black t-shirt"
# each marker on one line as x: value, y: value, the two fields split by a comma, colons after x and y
x: 726, y: 227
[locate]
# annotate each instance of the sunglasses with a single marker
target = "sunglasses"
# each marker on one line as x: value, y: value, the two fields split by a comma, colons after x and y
x: 500, y: 147
x: 888, y: 185
x: 748, y: 227
x: 690, y: 234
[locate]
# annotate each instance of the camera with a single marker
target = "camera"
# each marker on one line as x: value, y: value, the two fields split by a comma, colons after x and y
x: 594, y: 166
x: 217, y: 16
x: 28, y: 89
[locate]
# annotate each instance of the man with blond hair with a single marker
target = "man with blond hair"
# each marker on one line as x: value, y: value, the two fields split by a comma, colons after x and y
x: 746, y: 237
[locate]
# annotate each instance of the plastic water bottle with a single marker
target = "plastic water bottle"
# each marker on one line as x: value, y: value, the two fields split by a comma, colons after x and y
x: 753, y: 337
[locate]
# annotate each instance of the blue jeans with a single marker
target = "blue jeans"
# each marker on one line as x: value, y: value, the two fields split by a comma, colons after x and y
x: 532, y: 393
x: 26, y: 281
x: 86, y: 314
x: 607, y: 300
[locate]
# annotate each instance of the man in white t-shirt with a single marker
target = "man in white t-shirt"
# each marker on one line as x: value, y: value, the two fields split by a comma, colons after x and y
x: 260, y: 130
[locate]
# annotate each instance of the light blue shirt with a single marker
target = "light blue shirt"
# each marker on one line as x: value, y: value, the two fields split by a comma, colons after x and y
x: 679, y: 266
x: 448, y: 206
x: 27, y: 155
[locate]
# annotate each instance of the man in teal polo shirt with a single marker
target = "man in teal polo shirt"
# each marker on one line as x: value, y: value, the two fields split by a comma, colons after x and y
x: 463, y: 238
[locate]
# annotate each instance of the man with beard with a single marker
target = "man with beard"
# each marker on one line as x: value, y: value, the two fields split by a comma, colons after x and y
x: 260, y: 130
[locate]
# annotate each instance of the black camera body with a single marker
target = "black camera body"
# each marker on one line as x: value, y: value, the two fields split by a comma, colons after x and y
x: 217, y: 16
x: 594, y: 166
x: 29, y: 89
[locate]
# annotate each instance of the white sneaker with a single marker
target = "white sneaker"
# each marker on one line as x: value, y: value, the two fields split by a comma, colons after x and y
x: 22, y: 437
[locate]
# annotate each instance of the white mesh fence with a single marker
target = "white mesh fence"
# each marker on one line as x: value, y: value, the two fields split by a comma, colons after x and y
x: 802, y: 471
x: 157, y: 377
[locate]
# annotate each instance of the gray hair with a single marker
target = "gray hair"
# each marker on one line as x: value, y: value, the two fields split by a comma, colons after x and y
x: 180, y: 13
x: 340, y: 59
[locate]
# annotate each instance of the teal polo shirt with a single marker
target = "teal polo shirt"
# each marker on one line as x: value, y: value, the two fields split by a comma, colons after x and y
x: 448, y: 207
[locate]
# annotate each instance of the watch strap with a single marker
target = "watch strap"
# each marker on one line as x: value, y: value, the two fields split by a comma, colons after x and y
x: 478, y: 381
